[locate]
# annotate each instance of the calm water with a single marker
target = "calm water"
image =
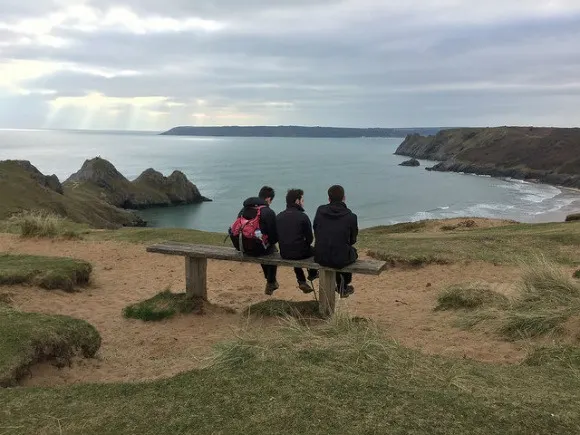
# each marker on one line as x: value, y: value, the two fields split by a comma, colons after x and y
x: 230, y: 169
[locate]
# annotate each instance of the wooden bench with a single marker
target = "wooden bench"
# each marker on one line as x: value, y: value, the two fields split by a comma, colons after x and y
x: 196, y: 257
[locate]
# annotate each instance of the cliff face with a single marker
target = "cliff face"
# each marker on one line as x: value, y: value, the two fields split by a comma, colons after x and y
x: 150, y: 189
x: 550, y: 155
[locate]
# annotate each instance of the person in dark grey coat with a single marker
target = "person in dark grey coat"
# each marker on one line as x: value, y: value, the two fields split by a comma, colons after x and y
x: 336, y: 231
x: 295, y: 236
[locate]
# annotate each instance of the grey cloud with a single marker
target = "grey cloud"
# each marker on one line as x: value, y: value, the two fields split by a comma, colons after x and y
x: 355, y: 70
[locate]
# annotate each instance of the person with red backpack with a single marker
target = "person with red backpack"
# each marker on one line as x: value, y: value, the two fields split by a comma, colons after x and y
x: 254, y: 232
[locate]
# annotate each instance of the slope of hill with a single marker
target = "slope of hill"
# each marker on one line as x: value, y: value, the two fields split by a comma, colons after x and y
x: 295, y: 131
x: 549, y: 155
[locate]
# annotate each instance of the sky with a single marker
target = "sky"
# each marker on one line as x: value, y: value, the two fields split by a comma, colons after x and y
x: 152, y: 65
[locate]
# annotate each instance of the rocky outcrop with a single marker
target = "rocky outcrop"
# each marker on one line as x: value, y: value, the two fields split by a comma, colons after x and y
x: 174, y: 190
x: 49, y: 181
x: 573, y: 217
x: 28, y: 189
x: 411, y: 162
x: 150, y: 189
x: 549, y: 155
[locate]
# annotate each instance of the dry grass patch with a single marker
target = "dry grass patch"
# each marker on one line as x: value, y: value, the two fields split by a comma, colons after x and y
x: 39, y: 223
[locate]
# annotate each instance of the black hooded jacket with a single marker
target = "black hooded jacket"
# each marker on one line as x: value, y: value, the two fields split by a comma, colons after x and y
x: 335, y: 230
x: 295, y: 233
x: 267, y: 218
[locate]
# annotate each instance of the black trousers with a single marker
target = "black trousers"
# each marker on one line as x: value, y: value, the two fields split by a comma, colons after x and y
x: 270, y: 272
x: 301, y: 277
x: 343, y: 279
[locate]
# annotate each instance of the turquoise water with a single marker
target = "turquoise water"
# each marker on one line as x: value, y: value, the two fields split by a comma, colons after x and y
x: 228, y: 170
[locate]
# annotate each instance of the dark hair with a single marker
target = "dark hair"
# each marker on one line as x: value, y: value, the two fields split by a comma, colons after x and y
x: 336, y: 193
x: 293, y: 195
x: 266, y: 192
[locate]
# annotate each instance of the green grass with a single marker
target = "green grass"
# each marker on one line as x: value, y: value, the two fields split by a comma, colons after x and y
x: 547, y: 298
x: 577, y: 274
x: 158, y: 235
x: 469, y: 297
x: 164, y: 305
x: 282, y: 309
x: 46, y: 272
x: 332, y: 379
x: 509, y: 244
x: 28, y: 338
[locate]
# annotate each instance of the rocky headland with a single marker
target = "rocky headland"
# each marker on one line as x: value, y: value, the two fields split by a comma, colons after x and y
x: 548, y: 155
x: 97, y: 195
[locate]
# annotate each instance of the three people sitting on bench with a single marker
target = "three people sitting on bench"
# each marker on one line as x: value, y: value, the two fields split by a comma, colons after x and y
x: 258, y: 229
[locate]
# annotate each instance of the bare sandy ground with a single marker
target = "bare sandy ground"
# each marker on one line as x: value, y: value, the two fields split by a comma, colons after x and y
x: 401, y: 301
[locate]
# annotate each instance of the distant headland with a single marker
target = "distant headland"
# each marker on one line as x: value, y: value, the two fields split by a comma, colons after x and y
x: 298, y: 131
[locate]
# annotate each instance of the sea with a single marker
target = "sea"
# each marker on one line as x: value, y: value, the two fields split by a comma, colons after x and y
x: 230, y: 169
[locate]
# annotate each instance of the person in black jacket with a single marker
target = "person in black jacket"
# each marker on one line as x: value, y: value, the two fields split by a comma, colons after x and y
x: 336, y: 230
x: 268, y: 227
x: 295, y: 236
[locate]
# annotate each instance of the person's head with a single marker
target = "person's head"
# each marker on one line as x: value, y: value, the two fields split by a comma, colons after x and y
x: 295, y: 196
x: 336, y: 194
x: 267, y: 194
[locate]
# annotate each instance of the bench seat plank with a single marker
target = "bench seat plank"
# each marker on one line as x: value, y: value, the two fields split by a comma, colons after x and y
x: 365, y: 267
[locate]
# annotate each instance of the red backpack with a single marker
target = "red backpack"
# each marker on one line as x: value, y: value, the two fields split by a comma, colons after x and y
x: 246, y: 234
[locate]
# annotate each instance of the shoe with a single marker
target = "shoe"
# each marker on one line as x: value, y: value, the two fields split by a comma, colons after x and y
x: 313, y: 277
x: 271, y: 287
x: 346, y: 292
x: 305, y: 287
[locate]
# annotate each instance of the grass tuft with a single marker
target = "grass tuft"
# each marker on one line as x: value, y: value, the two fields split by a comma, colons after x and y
x: 44, y: 224
x: 548, y: 298
x: 280, y: 308
x: 469, y: 297
x: 547, y: 284
x: 165, y: 305
x: 6, y: 298
x: 29, y: 338
x: 563, y: 356
x: 46, y: 272
x: 577, y: 274
x: 396, y: 259
x: 521, y: 325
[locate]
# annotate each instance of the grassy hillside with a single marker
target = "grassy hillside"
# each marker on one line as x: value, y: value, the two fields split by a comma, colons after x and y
x: 23, y: 192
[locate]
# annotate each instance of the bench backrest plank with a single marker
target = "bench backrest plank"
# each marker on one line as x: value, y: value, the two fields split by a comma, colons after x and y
x: 365, y: 267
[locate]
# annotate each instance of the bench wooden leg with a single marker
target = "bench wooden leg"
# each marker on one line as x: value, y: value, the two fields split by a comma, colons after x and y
x: 327, y: 292
x: 196, y: 277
